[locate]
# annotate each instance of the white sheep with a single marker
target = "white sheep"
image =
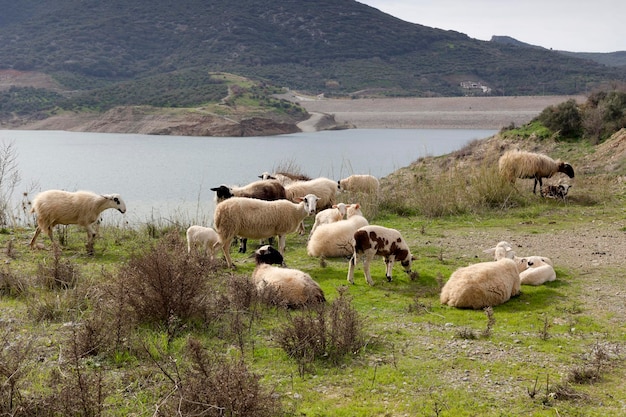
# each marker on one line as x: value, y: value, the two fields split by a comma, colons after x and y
x: 325, y: 189
x: 368, y: 184
x: 482, y: 285
x: 533, y: 270
x: 205, y: 238
x: 83, y: 208
x: 334, y: 240
x: 375, y: 240
x: 329, y: 215
x: 521, y: 164
x: 283, y: 286
x: 539, y: 271
x: 259, y: 219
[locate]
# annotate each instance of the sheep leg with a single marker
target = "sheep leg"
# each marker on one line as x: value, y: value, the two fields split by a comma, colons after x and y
x: 32, y: 241
x: 351, y: 266
x: 91, y: 235
x: 281, y: 243
x: 243, y: 244
x: 366, y: 269
x: 389, y: 270
x: 226, y: 250
x: 537, y: 180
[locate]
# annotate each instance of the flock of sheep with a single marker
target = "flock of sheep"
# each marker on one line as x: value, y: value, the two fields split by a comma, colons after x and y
x: 277, y: 204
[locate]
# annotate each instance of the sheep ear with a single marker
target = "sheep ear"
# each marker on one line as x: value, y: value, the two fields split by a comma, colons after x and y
x: 490, y: 251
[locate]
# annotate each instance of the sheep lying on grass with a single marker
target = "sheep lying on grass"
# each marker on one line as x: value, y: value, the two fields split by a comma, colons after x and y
x: 205, y: 238
x: 368, y: 184
x: 555, y: 191
x: 378, y: 240
x: 83, y: 208
x: 259, y: 219
x: 539, y: 271
x: 329, y: 215
x: 520, y: 164
x: 283, y: 286
x: 284, y: 177
x: 533, y: 270
x: 334, y: 240
x: 482, y: 285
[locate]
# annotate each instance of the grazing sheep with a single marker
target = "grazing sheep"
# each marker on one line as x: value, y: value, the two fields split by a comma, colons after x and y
x: 334, y: 240
x: 555, y: 191
x: 204, y: 237
x: 533, y: 270
x: 268, y: 190
x: 259, y: 219
x: 283, y: 286
x: 539, y: 271
x: 263, y: 190
x: 359, y: 184
x: 378, y: 240
x: 284, y: 177
x: 329, y: 215
x: 482, y: 285
x: 325, y: 189
x: 83, y: 208
x: 520, y: 164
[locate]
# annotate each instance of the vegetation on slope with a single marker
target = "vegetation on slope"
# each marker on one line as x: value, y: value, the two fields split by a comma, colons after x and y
x: 142, y: 328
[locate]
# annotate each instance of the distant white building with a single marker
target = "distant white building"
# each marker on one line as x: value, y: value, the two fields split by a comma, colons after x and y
x: 474, y: 85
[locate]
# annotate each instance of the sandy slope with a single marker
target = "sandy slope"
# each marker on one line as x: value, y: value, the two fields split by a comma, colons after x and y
x: 442, y: 112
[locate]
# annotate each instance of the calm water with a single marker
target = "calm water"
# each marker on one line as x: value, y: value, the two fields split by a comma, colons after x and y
x: 171, y: 176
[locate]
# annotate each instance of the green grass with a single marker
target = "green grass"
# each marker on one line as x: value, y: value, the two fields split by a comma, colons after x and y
x: 420, y: 358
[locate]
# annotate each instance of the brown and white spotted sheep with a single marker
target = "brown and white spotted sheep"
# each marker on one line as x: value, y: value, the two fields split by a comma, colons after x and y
x: 375, y: 240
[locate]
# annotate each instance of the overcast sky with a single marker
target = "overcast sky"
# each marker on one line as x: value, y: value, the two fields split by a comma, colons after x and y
x: 569, y: 25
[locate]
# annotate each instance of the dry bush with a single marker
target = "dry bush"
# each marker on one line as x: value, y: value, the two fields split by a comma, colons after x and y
x: 60, y: 273
x: 15, y: 362
x: 13, y: 285
x: 214, y: 386
x: 323, y: 332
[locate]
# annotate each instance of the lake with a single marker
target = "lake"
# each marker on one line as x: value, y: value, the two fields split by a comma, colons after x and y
x: 165, y: 177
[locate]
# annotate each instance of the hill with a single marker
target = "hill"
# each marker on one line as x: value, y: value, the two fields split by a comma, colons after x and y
x: 99, y: 55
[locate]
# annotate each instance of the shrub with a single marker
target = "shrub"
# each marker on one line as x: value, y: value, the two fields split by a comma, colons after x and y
x: 564, y: 118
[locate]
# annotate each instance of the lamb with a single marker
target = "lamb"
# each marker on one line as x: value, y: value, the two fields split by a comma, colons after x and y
x: 539, y: 271
x: 283, y: 286
x: 555, y: 191
x: 259, y: 219
x: 204, y: 237
x: 359, y: 183
x: 482, y: 285
x: 520, y: 164
x: 378, y: 240
x: 329, y: 215
x: 334, y: 240
x: 83, y: 208
x: 533, y: 270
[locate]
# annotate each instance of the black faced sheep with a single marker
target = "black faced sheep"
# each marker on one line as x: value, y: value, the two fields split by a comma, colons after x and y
x: 83, y: 208
x: 259, y: 219
x: 378, y: 240
x: 555, y: 191
x: 359, y: 184
x: 482, y: 285
x: 520, y: 164
x: 334, y: 240
x: 283, y: 286
x: 203, y: 237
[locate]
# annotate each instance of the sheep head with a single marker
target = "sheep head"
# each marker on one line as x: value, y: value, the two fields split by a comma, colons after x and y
x: 268, y: 255
x: 116, y: 202
x: 567, y: 169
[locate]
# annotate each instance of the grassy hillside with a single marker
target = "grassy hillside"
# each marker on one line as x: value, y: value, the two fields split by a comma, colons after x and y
x: 141, y: 328
x: 103, y: 54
